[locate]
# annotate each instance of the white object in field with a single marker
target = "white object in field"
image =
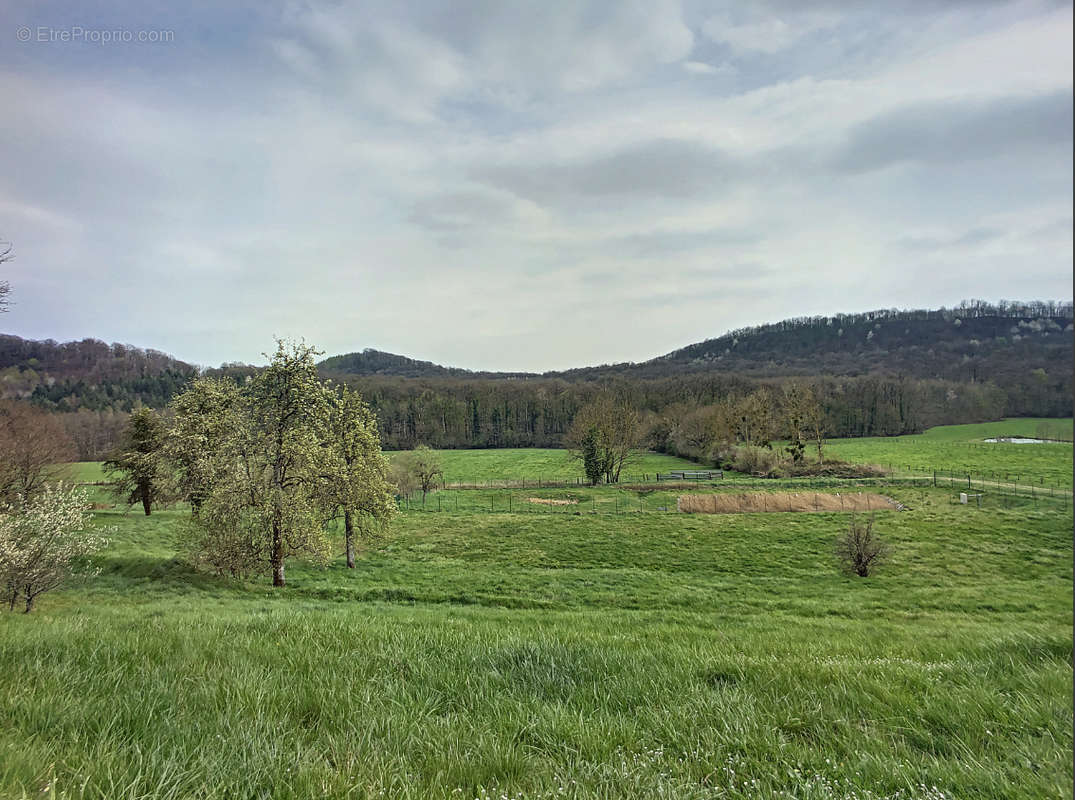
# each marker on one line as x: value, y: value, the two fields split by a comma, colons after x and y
x: 963, y: 498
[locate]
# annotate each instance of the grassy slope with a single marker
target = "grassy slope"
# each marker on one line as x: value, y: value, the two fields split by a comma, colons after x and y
x: 618, y: 656
x: 555, y: 655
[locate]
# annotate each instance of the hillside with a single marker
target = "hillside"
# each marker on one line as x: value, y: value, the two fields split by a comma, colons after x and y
x: 884, y: 372
x: 377, y: 362
x: 975, y: 342
x: 88, y: 374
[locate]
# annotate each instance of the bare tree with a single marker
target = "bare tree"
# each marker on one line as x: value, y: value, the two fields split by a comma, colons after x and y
x: 5, y: 287
x: 34, y: 449
x: 860, y: 549
x: 605, y: 435
x: 424, y: 465
x: 803, y: 418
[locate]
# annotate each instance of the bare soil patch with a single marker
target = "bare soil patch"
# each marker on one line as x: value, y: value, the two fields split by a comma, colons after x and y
x: 752, y: 502
x: 545, y: 501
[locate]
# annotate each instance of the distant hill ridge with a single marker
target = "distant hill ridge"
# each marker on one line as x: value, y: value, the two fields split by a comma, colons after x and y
x: 1009, y: 343
x: 965, y: 342
x: 377, y: 362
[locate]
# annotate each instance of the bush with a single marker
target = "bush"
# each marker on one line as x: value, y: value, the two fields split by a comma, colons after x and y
x: 860, y: 549
x: 41, y: 542
x: 755, y: 460
x: 831, y: 469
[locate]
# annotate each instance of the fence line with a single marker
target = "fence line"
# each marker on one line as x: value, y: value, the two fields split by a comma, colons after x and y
x: 994, y: 493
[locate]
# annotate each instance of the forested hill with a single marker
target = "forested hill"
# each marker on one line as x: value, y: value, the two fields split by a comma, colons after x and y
x: 879, y: 373
x: 89, y: 374
x: 377, y: 362
x: 1003, y: 343
x: 974, y: 342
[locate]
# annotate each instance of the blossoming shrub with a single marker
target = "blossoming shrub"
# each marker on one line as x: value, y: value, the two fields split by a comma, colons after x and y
x: 43, y: 541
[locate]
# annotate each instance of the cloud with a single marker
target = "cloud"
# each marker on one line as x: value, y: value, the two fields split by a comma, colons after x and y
x: 958, y: 130
x: 659, y: 168
x: 489, y: 184
x: 756, y: 29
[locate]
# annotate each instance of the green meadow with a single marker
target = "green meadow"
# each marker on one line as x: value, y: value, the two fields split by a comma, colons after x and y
x: 962, y: 449
x: 538, y: 464
x: 601, y: 647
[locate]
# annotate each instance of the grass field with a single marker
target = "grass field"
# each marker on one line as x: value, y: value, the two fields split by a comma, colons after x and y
x: 556, y: 652
x: 961, y: 449
x: 537, y: 464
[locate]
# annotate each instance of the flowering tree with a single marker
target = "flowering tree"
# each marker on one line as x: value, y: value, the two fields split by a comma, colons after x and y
x: 356, y: 478
x: 269, y: 464
x: 42, y: 541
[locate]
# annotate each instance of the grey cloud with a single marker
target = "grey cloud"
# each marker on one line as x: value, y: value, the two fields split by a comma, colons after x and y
x: 957, y: 131
x: 368, y: 174
x: 455, y: 211
x: 970, y: 238
x: 664, y: 168
x: 645, y: 245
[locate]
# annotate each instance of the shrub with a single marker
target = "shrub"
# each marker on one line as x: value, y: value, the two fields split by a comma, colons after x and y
x: 755, y: 460
x: 860, y: 549
x: 41, y: 541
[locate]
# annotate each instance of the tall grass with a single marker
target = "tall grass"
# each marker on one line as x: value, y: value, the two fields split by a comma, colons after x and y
x: 550, y: 655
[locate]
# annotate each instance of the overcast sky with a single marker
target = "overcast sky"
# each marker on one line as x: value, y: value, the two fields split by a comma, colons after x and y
x: 523, y: 185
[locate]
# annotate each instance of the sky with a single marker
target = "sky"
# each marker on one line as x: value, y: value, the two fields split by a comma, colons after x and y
x: 523, y: 185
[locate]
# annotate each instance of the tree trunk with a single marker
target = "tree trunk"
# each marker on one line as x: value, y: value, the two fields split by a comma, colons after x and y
x: 147, y: 502
x: 276, y: 555
x: 349, y: 538
x: 29, y: 604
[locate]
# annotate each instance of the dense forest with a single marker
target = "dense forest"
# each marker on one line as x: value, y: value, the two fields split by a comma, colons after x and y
x: 538, y: 412
x: 89, y: 374
x: 877, y: 373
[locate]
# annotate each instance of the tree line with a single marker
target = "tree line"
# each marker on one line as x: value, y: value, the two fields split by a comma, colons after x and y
x: 540, y: 413
x: 891, y: 372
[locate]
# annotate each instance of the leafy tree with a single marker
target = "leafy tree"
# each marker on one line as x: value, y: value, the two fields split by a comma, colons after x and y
x: 137, y: 469
x: 595, y: 461
x: 358, y: 479
x: 200, y: 445
x: 271, y: 462
x: 268, y: 500
x: 42, y: 541
x: 33, y: 449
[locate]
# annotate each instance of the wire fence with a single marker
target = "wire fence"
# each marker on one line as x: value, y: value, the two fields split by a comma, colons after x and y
x: 579, y: 482
x: 978, y: 491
